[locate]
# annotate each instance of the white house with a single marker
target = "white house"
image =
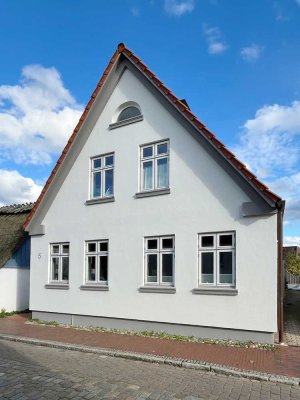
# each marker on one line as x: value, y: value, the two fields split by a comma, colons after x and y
x: 148, y: 222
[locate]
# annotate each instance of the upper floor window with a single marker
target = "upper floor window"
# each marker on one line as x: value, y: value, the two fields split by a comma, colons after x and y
x: 154, y: 169
x: 102, y: 176
x: 217, y: 259
x: 126, y: 113
x: 129, y: 112
x: 59, y: 262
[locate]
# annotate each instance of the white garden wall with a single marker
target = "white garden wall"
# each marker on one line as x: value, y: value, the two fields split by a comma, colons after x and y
x: 14, y: 289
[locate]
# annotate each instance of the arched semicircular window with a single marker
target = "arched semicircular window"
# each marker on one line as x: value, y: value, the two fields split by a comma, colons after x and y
x: 128, y: 113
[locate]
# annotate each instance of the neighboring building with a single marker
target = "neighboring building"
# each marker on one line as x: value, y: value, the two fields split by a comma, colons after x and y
x: 14, y: 257
x: 291, y: 249
x: 148, y: 222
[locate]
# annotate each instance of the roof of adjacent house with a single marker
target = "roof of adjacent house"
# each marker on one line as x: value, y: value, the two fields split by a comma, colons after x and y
x: 12, y: 233
x: 181, y: 106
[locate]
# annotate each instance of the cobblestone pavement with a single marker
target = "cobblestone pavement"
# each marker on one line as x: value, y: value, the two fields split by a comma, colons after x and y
x: 292, y: 317
x: 283, y: 361
x: 33, y: 372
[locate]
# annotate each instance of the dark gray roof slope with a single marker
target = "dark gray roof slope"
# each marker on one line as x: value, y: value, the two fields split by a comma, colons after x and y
x: 12, y: 233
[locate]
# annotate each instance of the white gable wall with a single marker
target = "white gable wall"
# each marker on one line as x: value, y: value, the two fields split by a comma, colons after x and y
x: 204, y: 198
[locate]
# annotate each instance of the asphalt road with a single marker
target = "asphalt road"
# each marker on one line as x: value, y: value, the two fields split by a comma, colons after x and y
x: 34, y: 372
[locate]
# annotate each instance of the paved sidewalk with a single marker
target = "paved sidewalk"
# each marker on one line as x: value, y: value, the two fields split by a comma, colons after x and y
x: 292, y: 317
x: 283, y: 361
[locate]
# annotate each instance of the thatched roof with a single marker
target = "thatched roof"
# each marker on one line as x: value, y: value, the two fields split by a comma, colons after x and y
x: 12, y: 233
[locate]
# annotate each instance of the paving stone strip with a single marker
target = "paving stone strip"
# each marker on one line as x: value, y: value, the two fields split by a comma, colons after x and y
x: 178, y: 362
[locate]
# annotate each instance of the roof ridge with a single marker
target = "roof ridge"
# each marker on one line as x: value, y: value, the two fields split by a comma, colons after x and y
x: 218, y: 145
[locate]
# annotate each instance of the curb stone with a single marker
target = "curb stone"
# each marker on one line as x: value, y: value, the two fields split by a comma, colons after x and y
x: 177, y: 362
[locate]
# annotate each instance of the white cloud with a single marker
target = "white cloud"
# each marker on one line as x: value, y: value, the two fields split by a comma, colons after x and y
x: 270, y: 141
x: 288, y: 187
x: 291, y: 241
x: 15, y: 188
x: 214, y: 40
x: 36, y: 116
x: 178, y: 8
x: 251, y: 53
x: 270, y: 145
x: 298, y: 2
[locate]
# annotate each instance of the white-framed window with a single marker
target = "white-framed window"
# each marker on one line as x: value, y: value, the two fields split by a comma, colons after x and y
x: 216, y: 257
x: 102, y: 176
x: 128, y: 113
x: 154, y: 166
x: 59, y: 262
x: 96, y: 261
x: 159, y: 257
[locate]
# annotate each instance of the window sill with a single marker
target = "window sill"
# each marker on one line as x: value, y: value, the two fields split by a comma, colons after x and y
x: 157, y: 289
x: 63, y: 286
x: 98, y: 287
x: 216, y: 291
x: 126, y: 122
x: 150, y: 193
x: 99, y: 201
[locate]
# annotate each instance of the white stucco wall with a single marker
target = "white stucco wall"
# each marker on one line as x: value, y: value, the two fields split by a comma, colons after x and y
x: 203, y: 198
x: 14, y: 289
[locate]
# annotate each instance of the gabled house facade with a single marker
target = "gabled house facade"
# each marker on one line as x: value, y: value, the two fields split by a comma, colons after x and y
x: 148, y: 222
x: 14, y: 257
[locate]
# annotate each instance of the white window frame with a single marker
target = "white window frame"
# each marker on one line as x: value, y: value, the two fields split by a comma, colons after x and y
x: 159, y: 251
x: 216, y: 249
x: 101, y: 170
x: 60, y: 255
x: 97, y: 254
x: 154, y: 159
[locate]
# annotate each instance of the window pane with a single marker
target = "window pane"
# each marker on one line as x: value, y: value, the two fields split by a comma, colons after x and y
x: 147, y: 175
x: 97, y: 163
x: 162, y: 172
x: 167, y: 268
x: 55, y: 264
x: 167, y: 243
x: 103, y: 260
x: 225, y: 260
x: 207, y: 241
x: 109, y: 160
x: 91, y: 247
x: 92, y: 268
x: 162, y: 148
x: 147, y: 151
x: 129, y: 112
x: 97, y: 184
x: 109, y: 178
x: 225, y: 240
x: 152, y: 244
x: 65, y: 268
x: 207, y: 266
x: 152, y: 268
x: 103, y: 246
x: 65, y: 248
x: 55, y: 248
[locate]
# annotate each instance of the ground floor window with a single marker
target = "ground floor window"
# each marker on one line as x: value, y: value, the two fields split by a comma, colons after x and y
x: 59, y: 262
x: 97, y: 261
x: 159, y: 260
x: 216, y: 256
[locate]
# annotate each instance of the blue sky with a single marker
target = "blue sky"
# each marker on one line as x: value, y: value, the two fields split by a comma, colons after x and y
x: 237, y: 63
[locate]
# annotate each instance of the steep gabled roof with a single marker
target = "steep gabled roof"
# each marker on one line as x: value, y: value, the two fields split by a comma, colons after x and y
x: 181, y: 106
x: 12, y: 233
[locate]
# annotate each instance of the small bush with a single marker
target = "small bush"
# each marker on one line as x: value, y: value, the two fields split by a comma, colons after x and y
x: 292, y: 264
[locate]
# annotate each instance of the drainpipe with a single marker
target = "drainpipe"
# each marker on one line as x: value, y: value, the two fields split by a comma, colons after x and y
x: 280, y: 278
